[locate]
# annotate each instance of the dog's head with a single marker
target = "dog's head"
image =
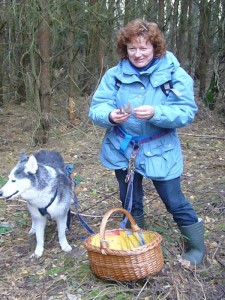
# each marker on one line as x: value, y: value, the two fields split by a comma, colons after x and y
x: 20, y: 178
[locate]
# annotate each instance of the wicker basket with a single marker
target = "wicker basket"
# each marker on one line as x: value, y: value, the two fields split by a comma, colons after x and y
x: 124, y: 265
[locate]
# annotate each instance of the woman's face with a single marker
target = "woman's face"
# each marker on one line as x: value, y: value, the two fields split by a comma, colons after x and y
x: 140, y: 52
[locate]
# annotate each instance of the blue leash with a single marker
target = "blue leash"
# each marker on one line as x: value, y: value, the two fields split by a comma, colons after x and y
x: 130, y: 180
x: 69, y: 169
x: 128, y: 201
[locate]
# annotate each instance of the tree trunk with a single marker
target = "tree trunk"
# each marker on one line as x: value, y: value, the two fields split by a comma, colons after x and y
x: 129, y: 10
x: 72, y: 87
x: 151, y: 11
x: 22, y: 65
x: 95, y: 52
x: 161, y: 14
x: 1, y: 62
x: 71, y: 99
x: 203, y: 45
x: 44, y: 42
x: 174, y: 24
x: 110, y: 33
x: 93, y: 42
x: 190, y: 52
x: 182, y: 30
x: 220, y: 65
x: 220, y: 76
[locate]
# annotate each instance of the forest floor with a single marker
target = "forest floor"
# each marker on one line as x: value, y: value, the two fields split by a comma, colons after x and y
x: 57, y: 275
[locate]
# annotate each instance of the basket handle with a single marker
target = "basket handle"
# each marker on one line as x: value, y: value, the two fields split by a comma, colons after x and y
x: 134, y: 226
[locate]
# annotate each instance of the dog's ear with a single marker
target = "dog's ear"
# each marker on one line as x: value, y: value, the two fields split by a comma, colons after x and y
x: 31, y: 166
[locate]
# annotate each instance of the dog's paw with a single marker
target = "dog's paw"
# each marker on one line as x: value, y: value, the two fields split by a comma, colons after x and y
x: 66, y: 248
x: 37, y: 253
x: 32, y: 231
x: 35, y: 256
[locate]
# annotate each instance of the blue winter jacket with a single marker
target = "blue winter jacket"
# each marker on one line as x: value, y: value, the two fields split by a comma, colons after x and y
x: 161, y: 158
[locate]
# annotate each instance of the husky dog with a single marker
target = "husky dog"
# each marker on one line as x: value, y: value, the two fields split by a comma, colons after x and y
x: 42, y: 181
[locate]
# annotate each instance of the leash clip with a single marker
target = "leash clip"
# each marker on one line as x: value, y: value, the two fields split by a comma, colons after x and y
x: 131, y: 164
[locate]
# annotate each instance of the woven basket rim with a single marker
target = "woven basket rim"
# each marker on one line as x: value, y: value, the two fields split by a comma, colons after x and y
x: 135, y: 251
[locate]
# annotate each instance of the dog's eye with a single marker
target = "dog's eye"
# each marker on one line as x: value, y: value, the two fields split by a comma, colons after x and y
x: 13, y: 180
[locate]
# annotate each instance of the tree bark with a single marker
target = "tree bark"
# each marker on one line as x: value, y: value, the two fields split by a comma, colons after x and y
x: 44, y: 42
x: 201, y: 71
x: 220, y: 62
x: 72, y: 87
x: 151, y: 11
x: 96, y: 46
x: 161, y: 14
x: 173, y: 29
x: 129, y: 10
x: 182, y: 33
x: 190, y: 56
x: 2, y: 24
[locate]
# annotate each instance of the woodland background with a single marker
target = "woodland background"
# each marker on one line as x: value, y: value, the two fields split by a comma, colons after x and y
x: 53, y: 54
x: 50, y: 48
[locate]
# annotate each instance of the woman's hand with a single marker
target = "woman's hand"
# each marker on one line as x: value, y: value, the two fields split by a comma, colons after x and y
x: 144, y: 112
x: 117, y: 116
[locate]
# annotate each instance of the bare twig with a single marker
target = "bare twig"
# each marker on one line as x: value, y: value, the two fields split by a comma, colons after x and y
x: 217, y: 248
x: 203, y: 136
x: 146, y: 282
x: 200, y: 285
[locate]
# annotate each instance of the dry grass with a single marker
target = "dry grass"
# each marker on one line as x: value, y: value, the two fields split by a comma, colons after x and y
x: 60, y: 276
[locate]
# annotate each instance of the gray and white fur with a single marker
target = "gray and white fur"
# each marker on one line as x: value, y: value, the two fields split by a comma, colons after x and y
x: 42, y: 181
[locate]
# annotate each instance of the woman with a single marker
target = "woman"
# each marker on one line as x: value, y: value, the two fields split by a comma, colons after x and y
x: 141, y: 102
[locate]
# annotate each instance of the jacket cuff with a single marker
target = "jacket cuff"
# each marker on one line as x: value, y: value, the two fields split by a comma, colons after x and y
x: 110, y: 120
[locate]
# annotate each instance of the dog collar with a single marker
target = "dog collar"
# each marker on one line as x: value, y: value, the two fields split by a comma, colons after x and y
x: 43, y: 210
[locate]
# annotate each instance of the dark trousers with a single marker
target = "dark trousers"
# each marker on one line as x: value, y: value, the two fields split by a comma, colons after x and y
x: 168, y: 190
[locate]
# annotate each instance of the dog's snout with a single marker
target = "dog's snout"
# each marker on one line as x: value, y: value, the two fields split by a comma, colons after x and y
x: 1, y: 193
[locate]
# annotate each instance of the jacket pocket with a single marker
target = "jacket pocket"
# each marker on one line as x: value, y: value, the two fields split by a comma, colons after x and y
x: 110, y: 150
x: 157, y: 162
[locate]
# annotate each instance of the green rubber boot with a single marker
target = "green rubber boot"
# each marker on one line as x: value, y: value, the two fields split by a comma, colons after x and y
x: 140, y: 220
x: 194, y: 244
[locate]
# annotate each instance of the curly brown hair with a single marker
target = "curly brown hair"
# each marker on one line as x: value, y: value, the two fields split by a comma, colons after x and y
x: 139, y: 27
